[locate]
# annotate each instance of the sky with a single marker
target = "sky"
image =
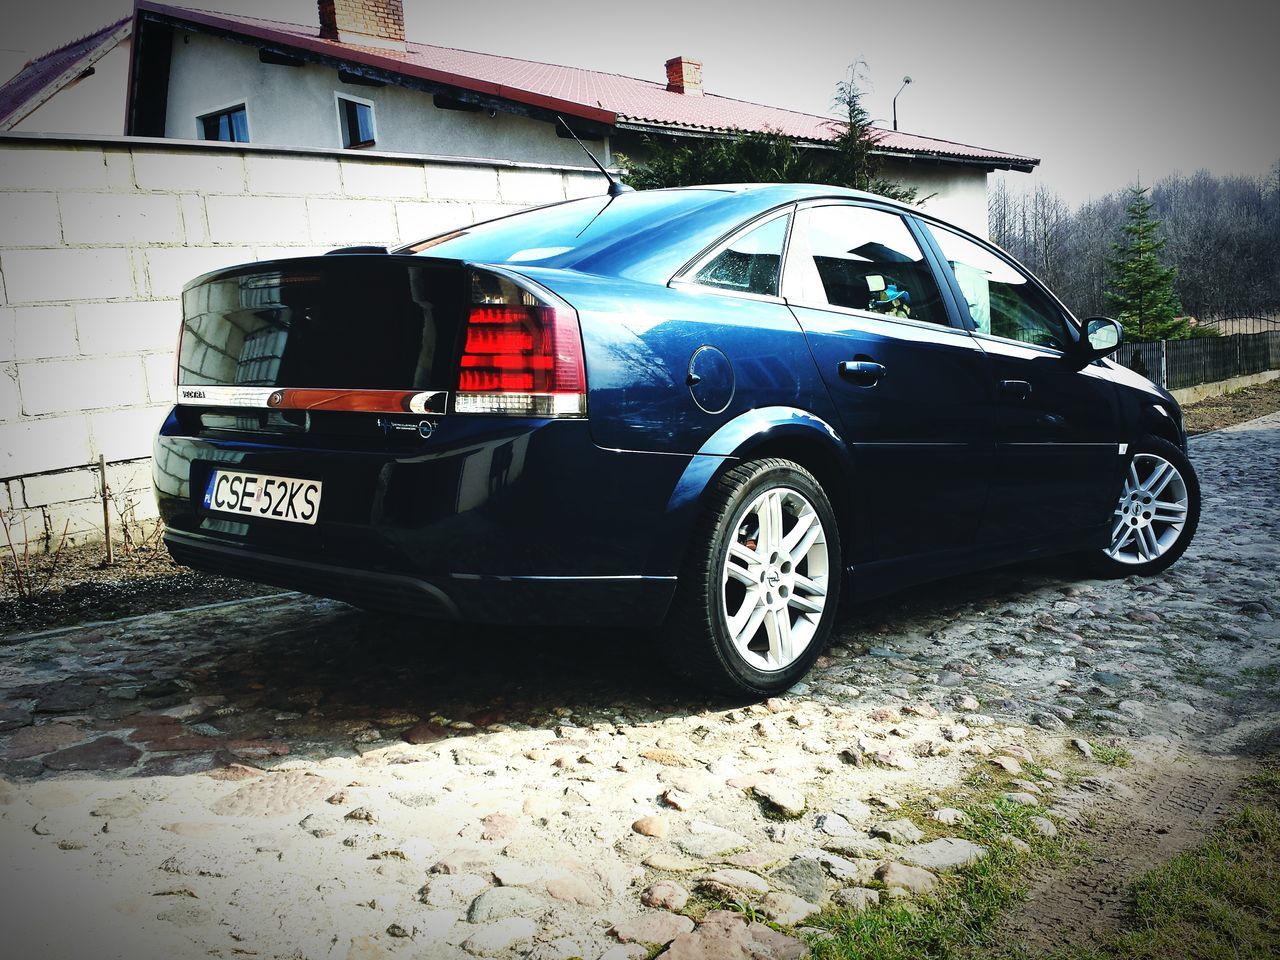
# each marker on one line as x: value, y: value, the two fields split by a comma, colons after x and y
x: 1105, y: 92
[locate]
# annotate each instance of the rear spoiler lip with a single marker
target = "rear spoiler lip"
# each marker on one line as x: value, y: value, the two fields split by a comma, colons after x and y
x: 318, y: 262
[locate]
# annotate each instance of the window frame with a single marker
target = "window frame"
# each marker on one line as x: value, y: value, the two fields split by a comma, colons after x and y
x: 928, y: 252
x: 234, y: 105
x: 685, y: 277
x: 338, y: 97
x: 961, y: 305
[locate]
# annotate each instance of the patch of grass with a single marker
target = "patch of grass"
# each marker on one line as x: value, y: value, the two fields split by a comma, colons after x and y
x: 960, y: 915
x: 1220, y: 901
x: 745, y: 908
x: 1033, y: 770
x: 1265, y: 784
x: 1270, y: 673
x: 1195, y: 673
x: 1111, y: 756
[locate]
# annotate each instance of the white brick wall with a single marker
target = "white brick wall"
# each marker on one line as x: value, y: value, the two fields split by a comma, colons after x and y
x: 97, y: 239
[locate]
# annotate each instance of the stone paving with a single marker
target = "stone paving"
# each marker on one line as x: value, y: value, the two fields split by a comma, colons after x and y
x: 290, y: 777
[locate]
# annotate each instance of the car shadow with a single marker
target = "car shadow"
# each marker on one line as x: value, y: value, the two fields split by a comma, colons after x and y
x: 295, y: 677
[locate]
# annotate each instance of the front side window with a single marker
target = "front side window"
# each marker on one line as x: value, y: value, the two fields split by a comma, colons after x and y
x: 750, y: 263
x: 230, y: 125
x: 356, y: 118
x: 1002, y: 300
x: 861, y: 259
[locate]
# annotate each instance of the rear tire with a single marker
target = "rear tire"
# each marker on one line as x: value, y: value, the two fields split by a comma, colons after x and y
x: 1156, y: 515
x: 760, y: 586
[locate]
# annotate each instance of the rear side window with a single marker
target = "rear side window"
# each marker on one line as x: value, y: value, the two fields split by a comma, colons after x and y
x: 749, y: 264
x: 1002, y: 300
x: 861, y: 259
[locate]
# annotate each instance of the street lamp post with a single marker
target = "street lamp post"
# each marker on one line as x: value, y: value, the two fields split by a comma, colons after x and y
x: 905, y: 81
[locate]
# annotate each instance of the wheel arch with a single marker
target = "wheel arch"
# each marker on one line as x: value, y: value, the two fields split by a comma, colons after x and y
x: 784, y: 432
x: 1155, y: 421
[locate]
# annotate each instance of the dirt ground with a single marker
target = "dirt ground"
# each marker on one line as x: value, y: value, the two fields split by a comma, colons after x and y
x: 1218, y: 412
x: 76, y: 586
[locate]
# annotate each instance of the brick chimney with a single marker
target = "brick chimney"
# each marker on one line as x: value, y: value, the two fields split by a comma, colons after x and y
x: 684, y: 76
x: 370, y: 23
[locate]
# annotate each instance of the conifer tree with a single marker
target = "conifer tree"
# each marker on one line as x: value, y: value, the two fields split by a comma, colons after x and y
x: 857, y: 164
x: 772, y: 157
x: 1141, y: 291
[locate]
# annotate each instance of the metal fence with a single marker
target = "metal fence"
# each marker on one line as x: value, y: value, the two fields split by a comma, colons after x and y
x: 1174, y: 364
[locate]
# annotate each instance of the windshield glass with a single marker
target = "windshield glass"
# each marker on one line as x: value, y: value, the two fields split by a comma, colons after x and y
x: 556, y: 235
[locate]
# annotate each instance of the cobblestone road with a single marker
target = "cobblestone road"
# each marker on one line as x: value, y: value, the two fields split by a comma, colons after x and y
x: 289, y: 777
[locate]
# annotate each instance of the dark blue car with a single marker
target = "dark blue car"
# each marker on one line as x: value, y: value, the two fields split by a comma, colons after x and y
x: 713, y: 411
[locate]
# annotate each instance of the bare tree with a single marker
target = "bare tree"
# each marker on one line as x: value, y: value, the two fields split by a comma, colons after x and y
x: 1223, y: 238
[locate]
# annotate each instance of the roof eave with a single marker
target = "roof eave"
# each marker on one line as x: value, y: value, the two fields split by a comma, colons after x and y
x: 50, y: 90
x: 1020, y: 164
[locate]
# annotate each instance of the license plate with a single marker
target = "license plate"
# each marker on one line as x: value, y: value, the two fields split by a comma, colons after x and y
x: 256, y: 495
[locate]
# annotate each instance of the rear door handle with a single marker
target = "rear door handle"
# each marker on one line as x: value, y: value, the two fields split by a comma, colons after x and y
x: 1015, y: 389
x: 862, y: 372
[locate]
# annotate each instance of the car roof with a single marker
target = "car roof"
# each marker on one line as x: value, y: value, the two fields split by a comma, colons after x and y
x: 775, y: 194
x: 642, y: 235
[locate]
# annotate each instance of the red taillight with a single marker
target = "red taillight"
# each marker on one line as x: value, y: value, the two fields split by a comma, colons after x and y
x: 522, y: 356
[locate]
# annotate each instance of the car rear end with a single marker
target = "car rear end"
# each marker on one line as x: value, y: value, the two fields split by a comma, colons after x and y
x: 403, y: 433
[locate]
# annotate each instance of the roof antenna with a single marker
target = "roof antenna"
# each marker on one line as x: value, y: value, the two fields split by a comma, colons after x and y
x: 616, y: 187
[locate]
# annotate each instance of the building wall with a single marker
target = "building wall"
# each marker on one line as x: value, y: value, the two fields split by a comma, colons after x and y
x: 297, y: 106
x: 97, y: 239
x: 95, y: 104
x: 960, y: 192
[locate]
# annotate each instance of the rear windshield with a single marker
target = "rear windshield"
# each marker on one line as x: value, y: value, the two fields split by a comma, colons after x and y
x: 550, y: 236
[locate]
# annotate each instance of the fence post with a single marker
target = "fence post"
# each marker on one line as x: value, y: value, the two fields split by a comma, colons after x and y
x: 106, y: 507
x: 1164, y: 364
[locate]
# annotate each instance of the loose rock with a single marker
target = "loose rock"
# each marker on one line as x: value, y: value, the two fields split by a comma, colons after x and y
x: 665, y: 895
x: 653, y: 826
x: 658, y: 928
x: 946, y: 853
x: 908, y: 878
x: 898, y: 831
x: 787, y: 909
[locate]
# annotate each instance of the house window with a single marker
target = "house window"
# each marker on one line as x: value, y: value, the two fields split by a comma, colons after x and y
x: 356, y: 117
x: 230, y: 125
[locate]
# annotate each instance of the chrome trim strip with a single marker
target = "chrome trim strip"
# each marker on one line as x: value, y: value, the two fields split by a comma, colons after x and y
x: 434, y: 402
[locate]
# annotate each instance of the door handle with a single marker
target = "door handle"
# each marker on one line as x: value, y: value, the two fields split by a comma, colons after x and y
x: 865, y: 373
x: 1015, y: 389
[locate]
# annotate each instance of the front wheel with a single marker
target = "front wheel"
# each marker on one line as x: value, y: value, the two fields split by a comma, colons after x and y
x: 1156, y: 515
x: 761, y: 582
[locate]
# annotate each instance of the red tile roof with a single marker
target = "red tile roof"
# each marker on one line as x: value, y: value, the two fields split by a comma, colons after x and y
x: 44, y: 76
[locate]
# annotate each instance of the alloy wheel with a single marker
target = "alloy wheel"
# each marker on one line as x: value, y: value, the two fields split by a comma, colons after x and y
x: 1151, y: 513
x: 775, y: 579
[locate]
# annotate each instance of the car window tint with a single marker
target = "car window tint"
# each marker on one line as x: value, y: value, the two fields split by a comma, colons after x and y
x: 1002, y: 300
x: 863, y: 259
x: 750, y: 263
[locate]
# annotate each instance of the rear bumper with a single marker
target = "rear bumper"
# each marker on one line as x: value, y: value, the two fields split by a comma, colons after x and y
x: 486, y: 520
x: 638, y: 600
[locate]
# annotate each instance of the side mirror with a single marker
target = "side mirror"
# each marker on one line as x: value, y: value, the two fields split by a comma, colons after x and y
x: 1103, y: 336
